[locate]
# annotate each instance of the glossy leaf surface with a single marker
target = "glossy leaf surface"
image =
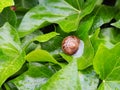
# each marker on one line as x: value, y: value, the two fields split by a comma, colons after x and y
x: 33, y: 78
x: 5, y: 3
x: 65, y: 79
x: 11, y: 54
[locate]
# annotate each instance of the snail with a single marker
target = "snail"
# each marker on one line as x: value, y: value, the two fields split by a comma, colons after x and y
x: 70, y: 45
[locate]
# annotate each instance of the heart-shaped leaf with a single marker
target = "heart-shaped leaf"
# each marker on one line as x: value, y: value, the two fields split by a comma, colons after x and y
x: 102, y: 14
x: 5, y: 3
x: 33, y: 78
x: 88, y: 79
x: 50, y: 12
x: 11, y: 54
x: 107, y: 64
x: 65, y: 79
x: 45, y: 37
x: 40, y: 55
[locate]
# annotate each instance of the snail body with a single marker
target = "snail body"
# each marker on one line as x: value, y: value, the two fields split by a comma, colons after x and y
x: 70, y: 45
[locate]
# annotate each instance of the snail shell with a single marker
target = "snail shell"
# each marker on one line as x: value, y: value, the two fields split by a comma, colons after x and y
x: 70, y: 45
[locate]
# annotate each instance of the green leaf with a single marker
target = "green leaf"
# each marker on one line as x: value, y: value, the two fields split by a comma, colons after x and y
x: 117, y: 3
x: 76, y: 3
x: 50, y: 12
x: 27, y: 42
x: 33, y: 78
x: 95, y: 40
x: 102, y: 14
x: 116, y: 24
x: 110, y: 36
x: 11, y: 55
x: 88, y: 79
x: 40, y: 55
x: 5, y: 3
x: 107, y: 64
x: 84, y: 27
x: 99, y: 2
x: 8, y: 15
x: 107, y: 36
x: 65, y: 79
x: 25, y: 4
x: 45, y: 37
x: 53, y: 45
x: 68, y: 58
x: 86, y: 7
x: 20, y: 16
x: 86, y: 59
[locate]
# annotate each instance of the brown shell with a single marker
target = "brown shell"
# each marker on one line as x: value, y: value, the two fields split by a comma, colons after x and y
x: 70, y: 44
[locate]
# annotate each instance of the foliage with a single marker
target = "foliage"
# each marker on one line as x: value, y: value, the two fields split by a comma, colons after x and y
x: 31, y: 57
x: 5, y: 3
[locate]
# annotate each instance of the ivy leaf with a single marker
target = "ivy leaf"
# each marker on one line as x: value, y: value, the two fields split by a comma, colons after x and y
x: 86, y: 7
x: 86, y: 59
x: 8, y: 15
x: 11, y: 54
x: 88, y: 79
x: 40, y: 55
x: 107, y: 36
x: 76, y: 3
x: 102, y: 14
x: 27, y: 42
x: 83, y: 33
x: 53, y: 45
x: 117, y: 3
x: 84, y: 27
x: 116, y: 24
x: 25, y: 4
x: 5, y: 3
x: 45, y: 37
x: 107, y: 65
x: 95, y: 40
x: 65, y: 79
x: 37, y: 75
x: 50, y: 12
